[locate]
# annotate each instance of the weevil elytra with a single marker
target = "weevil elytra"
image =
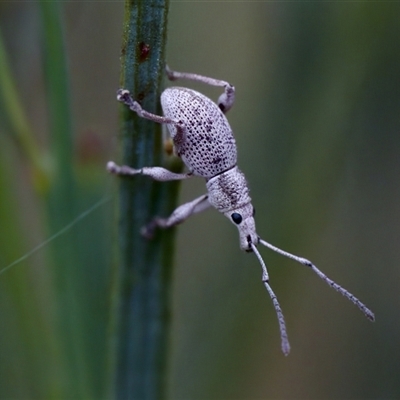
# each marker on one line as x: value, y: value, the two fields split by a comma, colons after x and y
x: 203, y: 139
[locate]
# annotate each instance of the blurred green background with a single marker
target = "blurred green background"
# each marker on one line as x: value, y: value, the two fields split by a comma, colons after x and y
x: 317, y: 123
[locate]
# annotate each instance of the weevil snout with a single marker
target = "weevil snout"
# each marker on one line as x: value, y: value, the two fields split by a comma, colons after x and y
x: 248, y: 235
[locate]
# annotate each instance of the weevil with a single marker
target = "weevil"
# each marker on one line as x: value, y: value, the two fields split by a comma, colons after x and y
x: 203, y: 139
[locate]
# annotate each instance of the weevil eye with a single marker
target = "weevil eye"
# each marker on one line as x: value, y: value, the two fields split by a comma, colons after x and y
x: 254, y: 211
x: 236, y: 218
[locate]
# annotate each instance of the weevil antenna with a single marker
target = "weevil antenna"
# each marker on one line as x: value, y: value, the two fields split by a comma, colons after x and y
x: 367, y: 312
x: 281, y: 320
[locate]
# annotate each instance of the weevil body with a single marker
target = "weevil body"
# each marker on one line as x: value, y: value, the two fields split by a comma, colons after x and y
x: 203, y: 138
x: 208, y: 148
x: 206, y: 144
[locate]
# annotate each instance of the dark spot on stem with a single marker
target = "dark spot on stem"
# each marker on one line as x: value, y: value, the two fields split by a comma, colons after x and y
x: 144, y: 51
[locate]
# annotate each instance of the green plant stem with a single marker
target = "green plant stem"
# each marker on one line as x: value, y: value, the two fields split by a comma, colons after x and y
x: 143, y: 274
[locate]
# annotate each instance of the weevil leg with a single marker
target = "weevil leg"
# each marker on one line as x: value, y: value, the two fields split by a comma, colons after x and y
x: 225, y: 101
x: 125, y: 97
x: 178, y: 216
x: 157, y: 173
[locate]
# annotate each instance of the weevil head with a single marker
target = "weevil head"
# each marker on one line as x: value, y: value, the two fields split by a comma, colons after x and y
x: 243, y: 218
x: 228, y: 193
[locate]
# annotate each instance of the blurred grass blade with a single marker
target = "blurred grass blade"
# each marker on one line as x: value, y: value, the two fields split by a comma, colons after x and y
x: 18, y: 123
x: 61, y: 205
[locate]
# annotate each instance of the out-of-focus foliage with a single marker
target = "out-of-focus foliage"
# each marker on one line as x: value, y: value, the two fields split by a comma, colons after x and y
x: 317, y: 126
x: 54, y: 132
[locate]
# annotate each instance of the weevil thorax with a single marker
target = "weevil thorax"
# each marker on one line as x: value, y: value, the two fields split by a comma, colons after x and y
x: 205, y: 143
x: 228, y: 193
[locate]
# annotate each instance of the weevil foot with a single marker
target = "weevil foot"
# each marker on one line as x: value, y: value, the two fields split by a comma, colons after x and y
x: 148, y: 231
